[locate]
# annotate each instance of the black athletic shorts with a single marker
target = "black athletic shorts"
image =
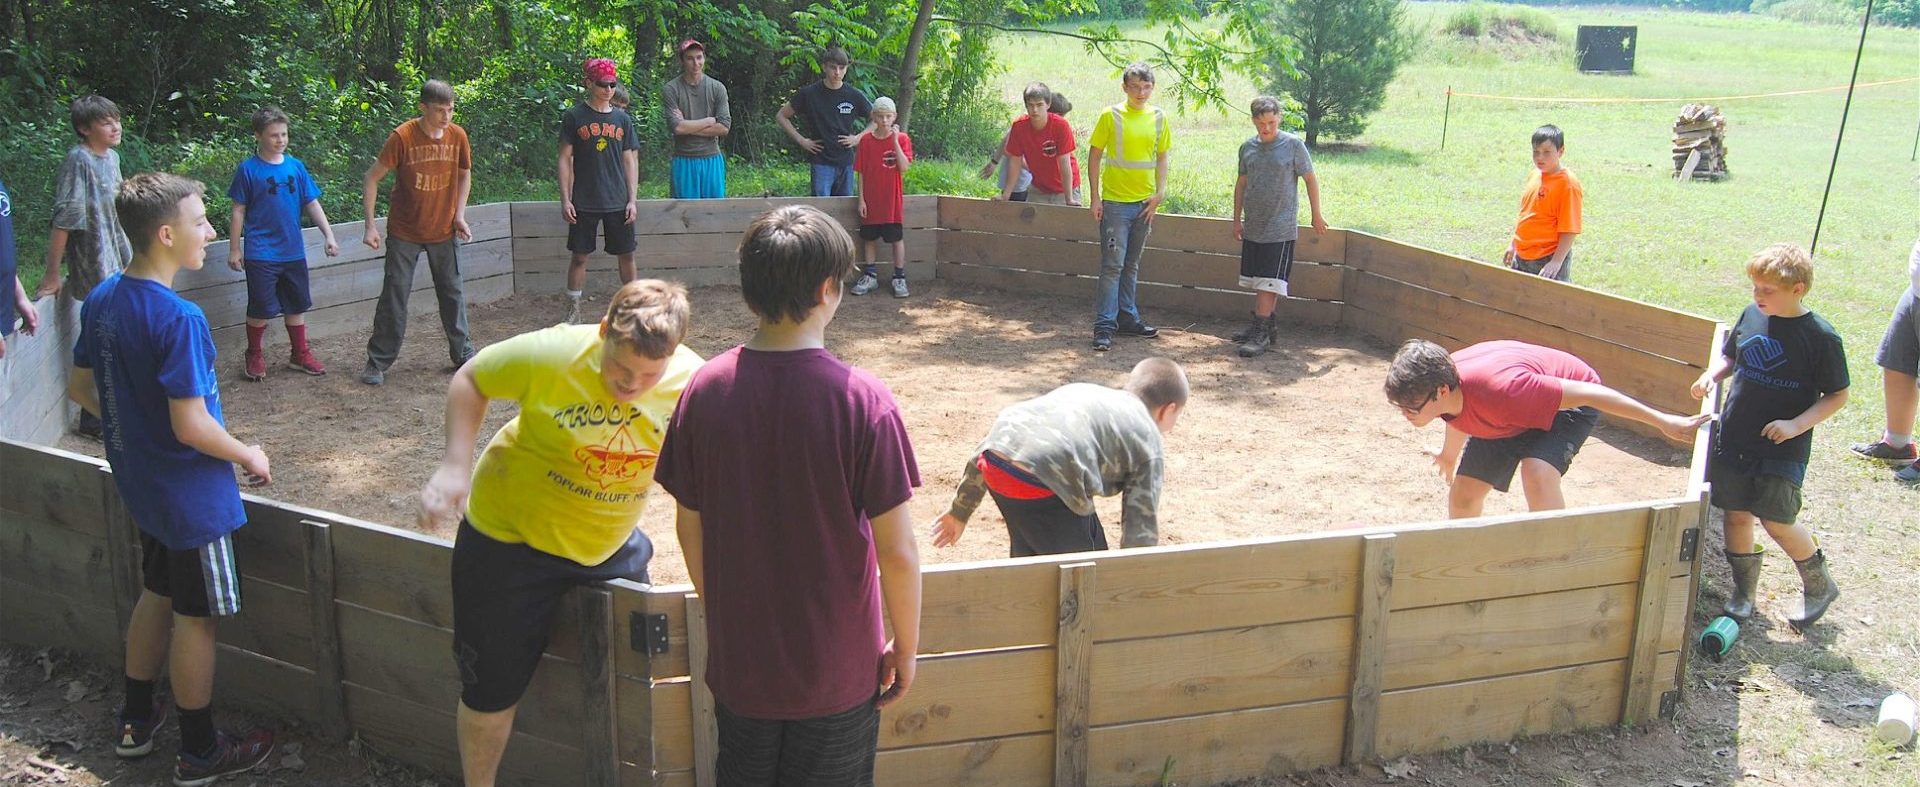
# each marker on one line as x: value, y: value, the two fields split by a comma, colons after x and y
x: 887, y: 232
x: 504, y: 597
x: 1494, y: 461
x: 1266, y: 266
x: 587, y: 225
x: 832, y: 750
x: 201, y: 583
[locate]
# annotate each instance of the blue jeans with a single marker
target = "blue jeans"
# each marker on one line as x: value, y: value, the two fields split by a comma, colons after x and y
x: 832, y: 180
x: 1123, y: 235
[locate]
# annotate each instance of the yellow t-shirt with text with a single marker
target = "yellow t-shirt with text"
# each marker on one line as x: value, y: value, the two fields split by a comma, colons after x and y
x: 569, y: 474
x: 1127, y: 161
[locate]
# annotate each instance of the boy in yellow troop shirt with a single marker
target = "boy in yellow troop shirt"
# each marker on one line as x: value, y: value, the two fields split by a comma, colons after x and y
x: 558, y: 492
x: 1132, y: 140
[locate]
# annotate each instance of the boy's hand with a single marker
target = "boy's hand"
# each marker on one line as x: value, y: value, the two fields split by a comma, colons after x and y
x: 896, y: 675
x: 1239, y: 233
x: 372, y: 236
x: 1702, y: 385
x: 810, y: 145
x: 236, y: 262
x: 333, y: 246
x: 461, y: 229
x: 946, y: 530
x: 29, y: 315
x: 633, y: 211
x: 1147, y: 210
x: 1782, y: 430
x: 1682, y: 427
x: 1444, y: 462
x: 254, y: 464
x: 863, y: 207
x: 444, y: 496
x: 49, y: 285
x: 567, y: 212
x: 1506, y: 257
x: 850, y: 141
x: 1098, y: 207
x: 1319, y: 224
x: 987, y: 171
x: 1551, y: 270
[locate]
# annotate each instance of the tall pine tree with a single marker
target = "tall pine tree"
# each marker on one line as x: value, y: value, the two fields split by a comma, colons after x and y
x: 1348, y: 51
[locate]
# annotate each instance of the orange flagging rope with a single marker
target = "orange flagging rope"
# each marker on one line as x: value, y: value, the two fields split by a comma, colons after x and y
x: 1543, y: 100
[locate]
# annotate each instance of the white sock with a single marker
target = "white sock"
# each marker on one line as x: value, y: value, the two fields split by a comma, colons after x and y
x: 1898, y: 440
x: 575, y: 295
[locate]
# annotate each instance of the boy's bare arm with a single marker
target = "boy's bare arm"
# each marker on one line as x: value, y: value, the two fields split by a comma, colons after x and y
x: 785, y: 118
x: 899, y: 559
x: 1066, y: 177
x: 1561, y: 248
x: 1015, y: 166
x: 80, y: 389
x: 565, y: 176
x: 1716, y: 370
x: 1313, y: 203
x: 319, y: 216
x: 1822, y: 409
x: 1092, y: 170
x: 462, y: 188
x: 1577, y: 393
x: 236, y: 240
x: 631, y: 161
x: 686, y: 525
x: 369, y: 196
x: 445, y: 494
x: 900, y: 153
x: 196, y: 428
x: 1239, y: 206
x: 56, y: 250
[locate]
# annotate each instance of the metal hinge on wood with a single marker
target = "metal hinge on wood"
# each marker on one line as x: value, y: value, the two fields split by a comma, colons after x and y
x: 647, y: 633
x: 1669, y: 703
x: 1689, y: 544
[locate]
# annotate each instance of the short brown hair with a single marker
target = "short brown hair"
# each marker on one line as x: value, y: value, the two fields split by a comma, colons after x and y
x: 90, y: 109
x: 649, y: 316
x: 435, y: 91
x: 1264, y: 105
x: 267, y: 116
x: 834, y: 55
x: 1058, y: 104
x: 1782, y: 263
x: 1037, y: 91
x: 1158, y: 382
x: 1417, y: 372
x: 150, y: 200
x: 785, y: 255
x: 1137, y: 70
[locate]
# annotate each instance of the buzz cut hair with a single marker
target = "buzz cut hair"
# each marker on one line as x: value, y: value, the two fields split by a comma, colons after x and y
x: 1158, y: 382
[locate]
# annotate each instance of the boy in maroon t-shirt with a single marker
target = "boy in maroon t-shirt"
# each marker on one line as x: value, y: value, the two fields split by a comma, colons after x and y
x: 1042, y: 142
x: 1510, y: 404
x: 880, y: 166
x: 795, y: 573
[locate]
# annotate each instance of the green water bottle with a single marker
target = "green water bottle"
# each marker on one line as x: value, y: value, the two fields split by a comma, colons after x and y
x: 1718, y: 637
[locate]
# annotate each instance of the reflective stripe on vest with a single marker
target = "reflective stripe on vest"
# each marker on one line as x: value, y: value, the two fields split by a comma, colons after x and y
x: 1119, y: 158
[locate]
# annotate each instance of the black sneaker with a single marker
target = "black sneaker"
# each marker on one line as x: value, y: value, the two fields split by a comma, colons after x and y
x: 89, y: 426
x: 1102, y: 342
x: 231, y: 755
x: 1141, y: 330
x: 1881, y: 452
x: 136, y: 737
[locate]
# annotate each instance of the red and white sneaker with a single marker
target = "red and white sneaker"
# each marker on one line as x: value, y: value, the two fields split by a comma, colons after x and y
x: 303, y: 361
x: 256, y: 366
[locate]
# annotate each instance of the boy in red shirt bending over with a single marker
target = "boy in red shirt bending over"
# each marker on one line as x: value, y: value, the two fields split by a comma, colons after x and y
x: 1510, y: 404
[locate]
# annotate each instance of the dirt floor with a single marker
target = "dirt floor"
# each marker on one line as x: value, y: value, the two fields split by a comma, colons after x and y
x: 1298, y: 440
x: 1272, y: 445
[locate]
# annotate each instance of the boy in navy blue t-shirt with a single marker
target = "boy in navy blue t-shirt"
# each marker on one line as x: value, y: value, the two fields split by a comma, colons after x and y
x: 269, y: 192
x: 144, y: 365
x: 14, y: 303
x: 1789, y: 373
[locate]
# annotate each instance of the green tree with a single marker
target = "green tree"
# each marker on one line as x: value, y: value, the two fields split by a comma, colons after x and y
x: 1347, y: 53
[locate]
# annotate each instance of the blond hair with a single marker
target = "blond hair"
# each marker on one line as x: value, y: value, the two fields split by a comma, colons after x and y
x: 1782, y: 263
x: 649, y: 316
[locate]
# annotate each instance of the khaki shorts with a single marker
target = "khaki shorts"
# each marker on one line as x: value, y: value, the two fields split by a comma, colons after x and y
x: 1037, y: 196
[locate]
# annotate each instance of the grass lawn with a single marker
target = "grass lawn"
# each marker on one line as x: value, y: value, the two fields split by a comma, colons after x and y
x: 1785, y: 709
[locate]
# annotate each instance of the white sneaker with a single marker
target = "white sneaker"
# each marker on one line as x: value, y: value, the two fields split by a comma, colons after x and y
x: 899, y: 286
x: 573, y: 312
x: 866, y: 284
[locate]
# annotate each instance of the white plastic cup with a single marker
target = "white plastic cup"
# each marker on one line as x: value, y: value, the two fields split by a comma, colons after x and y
x: 1896, y: 719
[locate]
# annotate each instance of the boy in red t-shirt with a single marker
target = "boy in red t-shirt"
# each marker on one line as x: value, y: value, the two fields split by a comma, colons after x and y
x: 1542, y: 241
x: 879, y: 166
x: 796, y: 575
x: 1041, y: 142
x: 1510, y: 404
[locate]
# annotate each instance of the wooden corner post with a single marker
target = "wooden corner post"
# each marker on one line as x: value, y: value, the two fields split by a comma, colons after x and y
x: 706, y: 725
x: 331, y: 699
x: 1369, y: 647
x: 1656, y: 565
x: 1073, y: 675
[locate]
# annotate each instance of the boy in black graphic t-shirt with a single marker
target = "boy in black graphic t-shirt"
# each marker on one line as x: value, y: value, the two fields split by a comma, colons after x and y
x: 599, y: 176
x: 1790, y: 373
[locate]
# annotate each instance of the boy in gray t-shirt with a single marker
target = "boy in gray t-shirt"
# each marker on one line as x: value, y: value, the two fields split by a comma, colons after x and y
x: 86, y: 235
x: 1265, y: 194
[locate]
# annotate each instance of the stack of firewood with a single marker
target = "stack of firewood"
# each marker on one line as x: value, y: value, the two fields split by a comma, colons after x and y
x: 1699, y: 143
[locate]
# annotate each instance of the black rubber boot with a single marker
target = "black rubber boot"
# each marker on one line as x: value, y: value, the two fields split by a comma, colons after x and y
x: 1818, y: 590
x: 1746, y: 578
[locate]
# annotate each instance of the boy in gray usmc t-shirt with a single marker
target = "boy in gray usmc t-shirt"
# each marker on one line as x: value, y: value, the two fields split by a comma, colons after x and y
x: 1265, y: 193
x: 1047, y: 458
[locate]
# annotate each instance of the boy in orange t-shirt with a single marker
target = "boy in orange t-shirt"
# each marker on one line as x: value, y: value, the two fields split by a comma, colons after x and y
x: 1542, y: 241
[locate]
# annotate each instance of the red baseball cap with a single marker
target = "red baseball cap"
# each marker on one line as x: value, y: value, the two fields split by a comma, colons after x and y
x: 601, y: 69
x: 690, y: 44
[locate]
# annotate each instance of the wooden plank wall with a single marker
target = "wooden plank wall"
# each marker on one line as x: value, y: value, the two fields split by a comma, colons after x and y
x: 1245, y: 658
x: 345, y: 288
x: 1190, y: 263
x: 695, y: 242
x: 33, y: 375
x: 1398, y: 291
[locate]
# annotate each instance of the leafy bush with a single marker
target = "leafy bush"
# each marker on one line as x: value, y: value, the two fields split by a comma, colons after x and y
x: 1502, y: 21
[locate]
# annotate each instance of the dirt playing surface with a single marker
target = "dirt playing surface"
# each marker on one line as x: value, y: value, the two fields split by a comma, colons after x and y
x: 1298, y: 440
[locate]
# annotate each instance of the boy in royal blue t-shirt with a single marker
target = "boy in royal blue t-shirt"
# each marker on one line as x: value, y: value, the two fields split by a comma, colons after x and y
x: 269, y: 192
x: 144, y: 365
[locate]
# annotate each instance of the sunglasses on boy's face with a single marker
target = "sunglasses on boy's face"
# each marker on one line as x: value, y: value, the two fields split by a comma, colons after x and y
x: 607, y: 85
